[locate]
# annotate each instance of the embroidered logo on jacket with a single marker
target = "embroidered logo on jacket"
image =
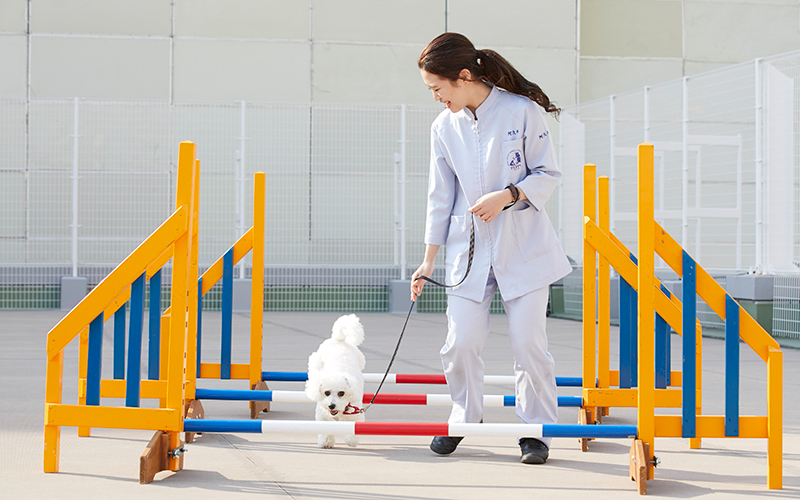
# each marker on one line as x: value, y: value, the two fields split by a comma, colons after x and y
x: 514, y: 159
x: 545, y: 134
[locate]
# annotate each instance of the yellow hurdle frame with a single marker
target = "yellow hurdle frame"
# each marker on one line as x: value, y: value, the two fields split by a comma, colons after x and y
x: 598, y: 379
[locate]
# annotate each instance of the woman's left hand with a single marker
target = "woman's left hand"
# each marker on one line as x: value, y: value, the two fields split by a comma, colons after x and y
x: 491, y: 204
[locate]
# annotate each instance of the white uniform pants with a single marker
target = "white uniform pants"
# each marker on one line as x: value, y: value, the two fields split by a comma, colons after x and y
x: 468, y: 328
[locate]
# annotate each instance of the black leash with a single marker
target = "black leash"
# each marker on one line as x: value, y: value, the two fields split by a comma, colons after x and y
x: 469, y: 266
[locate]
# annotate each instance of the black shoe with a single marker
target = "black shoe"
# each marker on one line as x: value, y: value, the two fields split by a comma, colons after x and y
x: 533, y: 451
x: 445, y: 445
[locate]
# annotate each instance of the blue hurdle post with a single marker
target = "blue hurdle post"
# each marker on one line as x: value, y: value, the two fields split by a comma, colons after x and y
x: 199, y: 321
x: 227, y: 315
x: 94, y: 361
x: 134, y: 378
x: 662, y: 349
x: 731, y: 367
x: 119, y: 342
x: 154, y: 330
x: 626, y: 321
x: 689, y: 346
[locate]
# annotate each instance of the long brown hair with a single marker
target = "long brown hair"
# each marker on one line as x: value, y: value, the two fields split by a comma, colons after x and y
x: 449, y: 53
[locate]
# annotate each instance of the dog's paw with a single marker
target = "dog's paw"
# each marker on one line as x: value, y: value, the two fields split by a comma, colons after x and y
x: 326, y: 441
x: 351, y: 441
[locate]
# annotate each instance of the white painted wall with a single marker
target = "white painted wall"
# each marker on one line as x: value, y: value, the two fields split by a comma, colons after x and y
x: 364, y: 51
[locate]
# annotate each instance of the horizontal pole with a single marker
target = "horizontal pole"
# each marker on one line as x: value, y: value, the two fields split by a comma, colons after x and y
x: 415, y: 378
x: 112, y: 417
x: 391, y: 399
x: 410, y: 429
x: 239, y: 371
x: 711, y: 426
x: 150, y: 389
x: 629, y: 398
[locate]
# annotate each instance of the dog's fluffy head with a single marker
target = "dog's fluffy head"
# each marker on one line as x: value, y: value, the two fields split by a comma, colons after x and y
x: 334, y: 392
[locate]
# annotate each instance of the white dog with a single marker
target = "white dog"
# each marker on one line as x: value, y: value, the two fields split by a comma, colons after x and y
x: 335, y: 380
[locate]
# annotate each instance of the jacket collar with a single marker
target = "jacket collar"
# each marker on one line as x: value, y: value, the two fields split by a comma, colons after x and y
x: 485, y: 106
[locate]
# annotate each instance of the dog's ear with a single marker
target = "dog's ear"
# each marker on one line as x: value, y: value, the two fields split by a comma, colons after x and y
x: 314, y: 389
x: 354, y: 388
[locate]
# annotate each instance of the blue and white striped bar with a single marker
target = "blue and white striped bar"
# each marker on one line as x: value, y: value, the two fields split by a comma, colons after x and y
x: 396, y: 399
x: 411, y: 429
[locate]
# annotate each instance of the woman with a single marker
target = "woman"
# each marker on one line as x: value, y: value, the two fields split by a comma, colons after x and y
x: 493, y: 167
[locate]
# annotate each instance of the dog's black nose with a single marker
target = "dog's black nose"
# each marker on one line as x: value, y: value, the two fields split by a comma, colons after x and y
x: 331, y: 406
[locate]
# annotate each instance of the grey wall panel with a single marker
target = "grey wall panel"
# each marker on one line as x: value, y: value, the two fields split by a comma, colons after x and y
x: 99, y: 68
x: 381, y: 74
x: 14, y: 16
x: 732, y: 32
x: 14, y: 64
x: 277, y: 19
x: 511, y: 23
x: 226, y: 70
x: 102, y: 17
x: 411, y: 21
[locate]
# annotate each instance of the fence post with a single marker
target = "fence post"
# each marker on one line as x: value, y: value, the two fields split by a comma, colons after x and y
x: 759, y: 165
x: 75, y: 191
x: 241, y: 174
x: 403, y: 263
x: 612, y: 164
x: 685, y: 163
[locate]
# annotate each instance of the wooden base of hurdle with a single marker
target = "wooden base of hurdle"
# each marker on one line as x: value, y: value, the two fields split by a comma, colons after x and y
x: 156, y: 457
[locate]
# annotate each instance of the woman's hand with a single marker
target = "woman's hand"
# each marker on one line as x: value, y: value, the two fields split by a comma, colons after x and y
x: 426, y: 269
x: 491, y: 204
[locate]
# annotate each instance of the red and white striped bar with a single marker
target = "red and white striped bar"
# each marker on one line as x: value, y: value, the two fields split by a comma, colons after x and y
x: 411, y: 429
x: 399, y: 378
x: 386, y: 399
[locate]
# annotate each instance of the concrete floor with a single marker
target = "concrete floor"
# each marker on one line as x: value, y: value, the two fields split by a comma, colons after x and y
x: 388, y: 467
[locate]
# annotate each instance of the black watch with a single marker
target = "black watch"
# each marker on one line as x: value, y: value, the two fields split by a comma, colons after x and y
x: 514, y: 195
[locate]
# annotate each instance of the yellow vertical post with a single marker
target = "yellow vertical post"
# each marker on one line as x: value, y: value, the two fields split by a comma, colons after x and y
x: 774, y: 418
x: 589, y: 267
x: 176, y: 364
x: 191, y: 342
x: 52, y: 433
x: 166, y: 317
x: 646, y: 320
x: 257, y: 281
x: 83, y: 368
x: 603, y: 289
x: 694, y: 443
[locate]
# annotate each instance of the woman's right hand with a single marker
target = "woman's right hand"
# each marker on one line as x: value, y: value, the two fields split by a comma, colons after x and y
x: 426, y: 269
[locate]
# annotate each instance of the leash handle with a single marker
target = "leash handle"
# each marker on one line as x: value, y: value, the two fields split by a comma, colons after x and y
x: 469, y: 261
x: 394, y: 355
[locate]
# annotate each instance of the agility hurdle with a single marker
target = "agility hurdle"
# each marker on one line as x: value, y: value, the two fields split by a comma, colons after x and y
x: 223, y: 269
x: 656, y: 308
x: 175, y: 238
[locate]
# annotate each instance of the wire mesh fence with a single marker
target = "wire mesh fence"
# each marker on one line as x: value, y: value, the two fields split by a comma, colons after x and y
x: 727, y: 168
x: 82, y: 183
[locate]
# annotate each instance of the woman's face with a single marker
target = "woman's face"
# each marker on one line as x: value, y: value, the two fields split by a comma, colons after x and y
x: 451, y: 94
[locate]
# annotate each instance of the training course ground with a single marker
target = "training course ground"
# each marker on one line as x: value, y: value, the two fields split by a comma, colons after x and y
x: 387, y: 467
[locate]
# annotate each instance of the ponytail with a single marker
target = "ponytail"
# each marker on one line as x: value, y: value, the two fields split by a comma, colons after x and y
x: 500, y: 72
x: 450, y: 53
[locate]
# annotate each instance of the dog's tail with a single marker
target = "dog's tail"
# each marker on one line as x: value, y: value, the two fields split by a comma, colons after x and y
x: 348, y: 329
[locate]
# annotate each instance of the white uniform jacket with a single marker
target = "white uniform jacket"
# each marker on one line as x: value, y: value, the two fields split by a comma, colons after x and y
x: 509, y: 142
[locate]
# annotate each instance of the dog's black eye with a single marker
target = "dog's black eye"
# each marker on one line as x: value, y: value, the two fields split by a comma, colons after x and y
x: 327, y: 393
x: 341, y: 393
